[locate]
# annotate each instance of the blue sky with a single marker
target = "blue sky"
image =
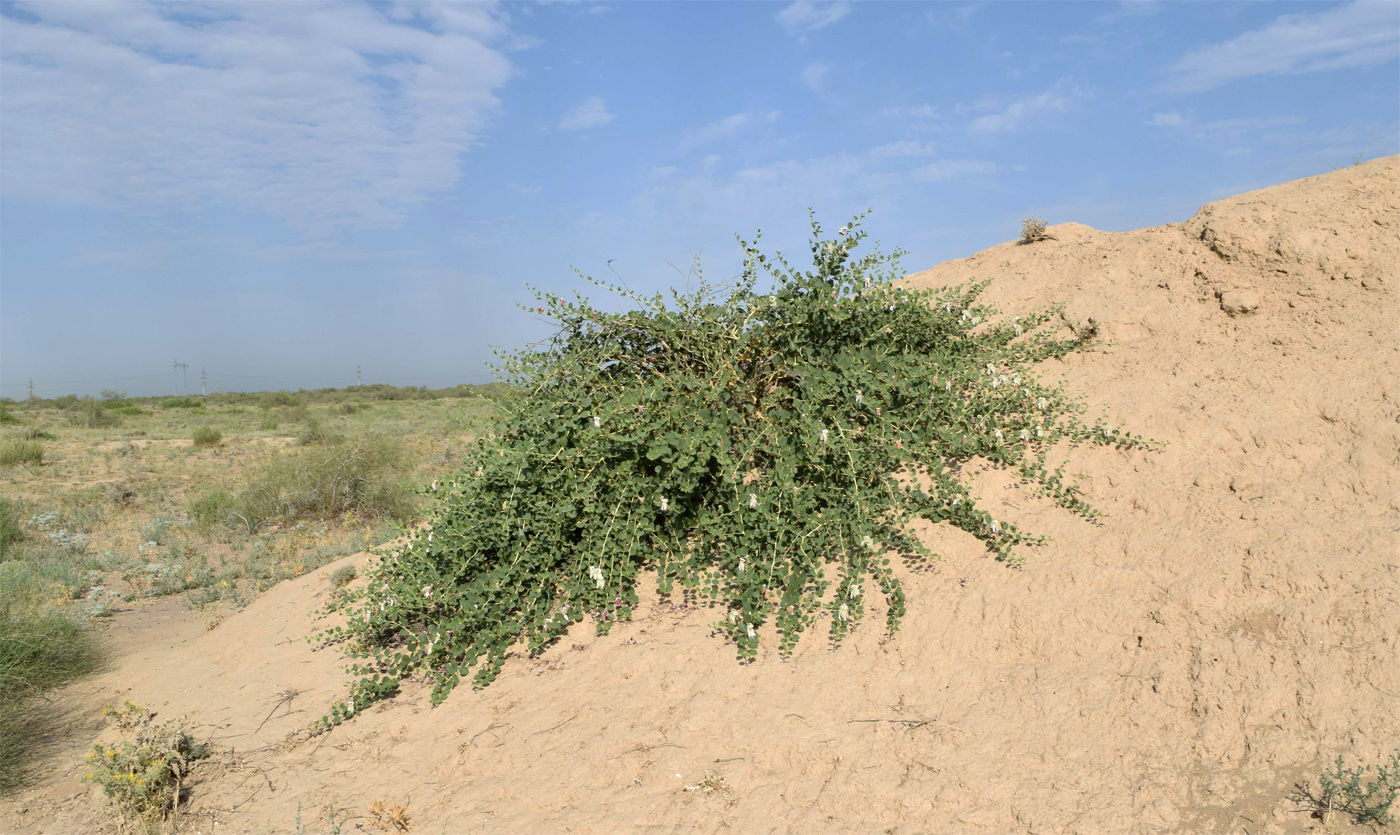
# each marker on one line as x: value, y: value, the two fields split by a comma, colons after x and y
x: 276, y: 192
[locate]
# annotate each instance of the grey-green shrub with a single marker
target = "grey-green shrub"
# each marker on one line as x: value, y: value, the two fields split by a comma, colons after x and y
x: 207, y: 436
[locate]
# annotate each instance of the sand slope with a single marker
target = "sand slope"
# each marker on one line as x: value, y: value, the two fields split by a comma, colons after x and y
x: 1232, y: 624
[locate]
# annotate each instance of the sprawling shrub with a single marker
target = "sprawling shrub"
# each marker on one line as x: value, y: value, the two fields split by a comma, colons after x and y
x: 767, y: 450
x: 207, y: 436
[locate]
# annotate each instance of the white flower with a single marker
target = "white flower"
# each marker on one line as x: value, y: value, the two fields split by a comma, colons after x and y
x: 742, y: 564
x: 996, y: 526
x: 858, y: 397
x: 1041, y: 403
x: 997, y: 433
x: 350, y: 706
x: 948, y: 386
x: 434, y: 485
x: 1107, y: 431
x: 749, y: 628
x: 957, y: 500
x: 842, y: 231
x: 991, y: 370
x: 868, y: 543
x: 824, y: 433
x: 855, y: 591
x: 1025, y: 434
x: 428, y: 592
x: 843, y: 613
x: 430, y: 537
x: 664, y: 504
x: 1040, y: 431
x: 753, y: 500
x: 596, y: 574
x: 597, y: 422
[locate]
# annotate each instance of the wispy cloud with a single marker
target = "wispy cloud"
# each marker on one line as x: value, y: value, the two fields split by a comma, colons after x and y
x: 806, y: 16
x: 591, y: 113
x: 323, y: 117
x: 1220, y: 127
x: 1016, y: 114
x: 947, y: 169
x: 1354, y: 35
x: 814, y: 75
x: 907, y: 148
x: 720, y: 130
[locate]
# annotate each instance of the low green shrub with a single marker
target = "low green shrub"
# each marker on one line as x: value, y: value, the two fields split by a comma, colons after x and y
x: 268, y: 422
x: 182, y: 403
x: 765, y: 450
x: 359, y: 476
x: 1342, y: 791
x: 91, y: 415
x: 16, y: 451
x: 207, y: 436
x: 314, y: 433
x: 7, y: 416
x: 211, y: 507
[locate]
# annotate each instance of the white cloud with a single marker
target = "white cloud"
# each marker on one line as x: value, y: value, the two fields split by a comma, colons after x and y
x: 1167, y: 120
x: 725, y: 128
x: 324, y: 117
x: 814, y: 75
x: 907, y: 148
x: 919, y: 111
x: 808, y: 16
x: 1358, y: 34
x: 591, y: 113
x: 1018, y: 112
x: 947, y: 169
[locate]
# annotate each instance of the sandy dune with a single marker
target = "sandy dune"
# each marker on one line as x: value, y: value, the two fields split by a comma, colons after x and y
x: 1229, y: 627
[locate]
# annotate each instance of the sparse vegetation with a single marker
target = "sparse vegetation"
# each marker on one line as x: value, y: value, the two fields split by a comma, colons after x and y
x: 739, y: 444
x: 145, y: 778
x: 207, y: 436
x: 130, y: 512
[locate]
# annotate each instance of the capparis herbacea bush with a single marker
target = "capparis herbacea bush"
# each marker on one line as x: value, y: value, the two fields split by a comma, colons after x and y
x: 764, y: 449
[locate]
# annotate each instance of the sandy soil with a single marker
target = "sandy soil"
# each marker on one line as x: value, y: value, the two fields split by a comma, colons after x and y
x: 1233, y: 623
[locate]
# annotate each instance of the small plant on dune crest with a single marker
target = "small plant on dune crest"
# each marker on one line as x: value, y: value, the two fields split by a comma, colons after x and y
x: 1342, y: 791
x: 1033, y: 230
x: 390, y: 817
x: 145, y: 777
x: 342, y: 576
x: 207, y: 436
x: 765, y: 450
